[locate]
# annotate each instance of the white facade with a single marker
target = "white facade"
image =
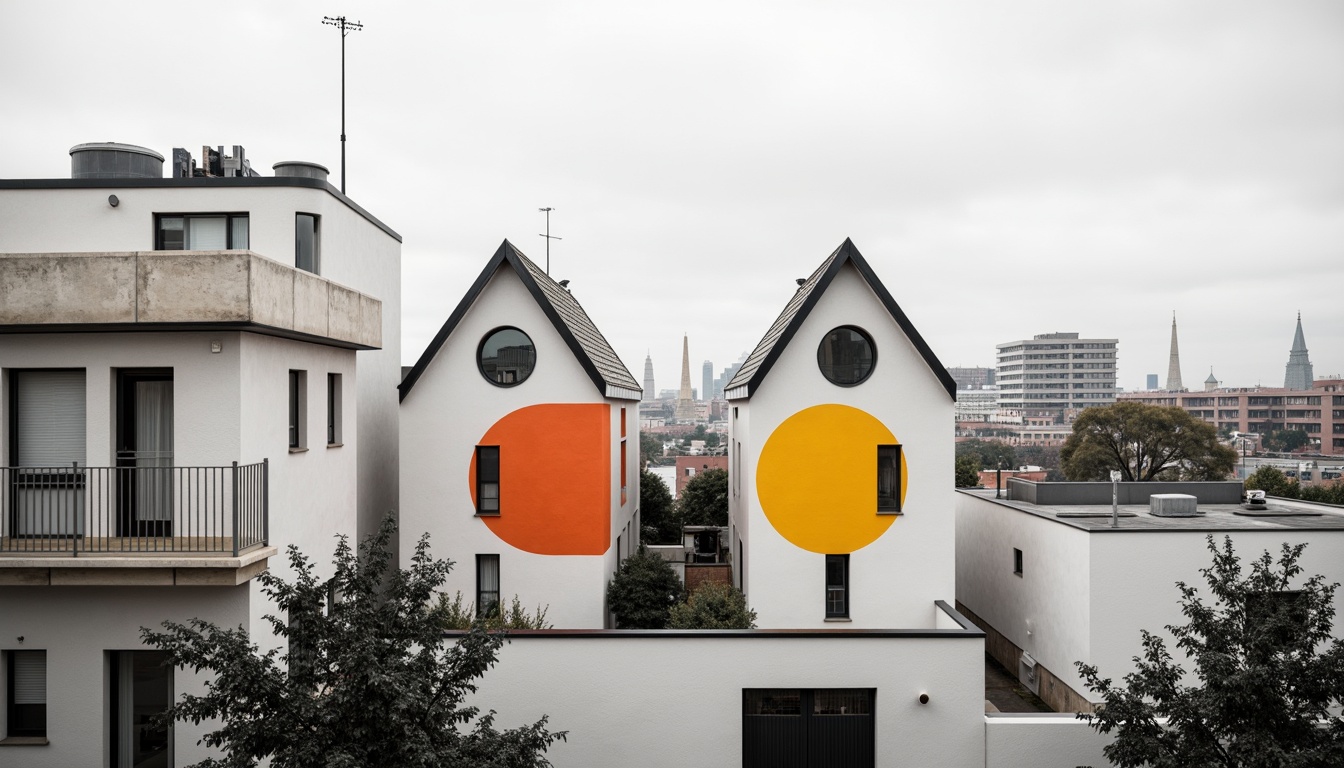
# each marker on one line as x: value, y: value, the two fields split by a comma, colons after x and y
x: 1056, y: 372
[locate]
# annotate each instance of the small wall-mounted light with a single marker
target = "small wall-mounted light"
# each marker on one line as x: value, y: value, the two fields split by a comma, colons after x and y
x: 923, y: 698
x: 113, y: 201
x: 20, y: 638
x: 216, y: 346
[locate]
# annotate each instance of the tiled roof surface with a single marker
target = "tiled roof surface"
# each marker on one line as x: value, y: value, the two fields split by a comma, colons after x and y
x: 772, y: 336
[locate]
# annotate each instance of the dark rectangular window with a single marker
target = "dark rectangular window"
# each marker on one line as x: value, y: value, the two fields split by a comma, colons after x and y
x: 625, y: 472
x: 26, y: 698
x: 487, y: 479
x: 334, y: 409
x: 487, y: 585
x: 889, y: 478
x: 837, y: 586
x: 307, y: 247
x: 808, y: 728
x: 201, y: 232
x: 1017, y: 562
x: 298, y: 405
x: 141, y: 687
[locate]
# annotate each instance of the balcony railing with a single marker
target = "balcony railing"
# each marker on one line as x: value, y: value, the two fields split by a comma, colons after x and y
x: 133, y: 510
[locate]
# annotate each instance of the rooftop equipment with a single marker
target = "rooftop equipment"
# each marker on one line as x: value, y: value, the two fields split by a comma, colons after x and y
x: 1172, y: 505
x: 110, y: 160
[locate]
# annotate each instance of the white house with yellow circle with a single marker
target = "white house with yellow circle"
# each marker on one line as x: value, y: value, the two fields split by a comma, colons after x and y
x: 841, y: 462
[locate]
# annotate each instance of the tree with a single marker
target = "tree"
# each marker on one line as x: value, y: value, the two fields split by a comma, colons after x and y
x: 650, y: 448
x: 1272, y: 481
x: 1144, y: 442
x: 657, y: 512
x: 461, y: 615
x: 704, y: 500
x: 369, y: 678
x: 1284, y: 440
x: 1044, y: 456
x: 1269, y: 675
x: 713, y: 606
x: 992, y: 453
x: 643, y: 591
x: 968, y: 471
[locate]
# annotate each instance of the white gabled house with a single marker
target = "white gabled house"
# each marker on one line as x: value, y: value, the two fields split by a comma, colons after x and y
x: 520, y: 448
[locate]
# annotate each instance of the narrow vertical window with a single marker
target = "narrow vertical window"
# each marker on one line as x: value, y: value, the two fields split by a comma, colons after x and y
x: 298, y: 403
x: 889, y: 479
x: 1017, y: 562
x: 334, y: 409
x: 487, y: 585
x: 625, y: 474
x: 487, y: 480
x: 27, y: 695
x: 307, y: 247
x: 837, y: 586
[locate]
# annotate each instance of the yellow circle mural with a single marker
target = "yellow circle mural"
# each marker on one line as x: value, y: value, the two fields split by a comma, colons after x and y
x: 817, y: 479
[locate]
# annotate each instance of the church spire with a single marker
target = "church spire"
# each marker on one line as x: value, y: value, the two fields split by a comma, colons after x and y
x: 650, y: 394
x: 1298, y: 374
x: 685, y: 404
x: 1174, y: 365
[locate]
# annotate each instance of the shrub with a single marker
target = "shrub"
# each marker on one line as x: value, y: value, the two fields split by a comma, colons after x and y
x: 713, y: 606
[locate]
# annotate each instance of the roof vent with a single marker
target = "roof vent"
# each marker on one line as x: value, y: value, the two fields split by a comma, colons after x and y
x: 1172, y: 505
x: 110, y: 160
x: 301, y: 169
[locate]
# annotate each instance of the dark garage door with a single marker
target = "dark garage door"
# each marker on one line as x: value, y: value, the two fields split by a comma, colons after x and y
x: 807, y: 728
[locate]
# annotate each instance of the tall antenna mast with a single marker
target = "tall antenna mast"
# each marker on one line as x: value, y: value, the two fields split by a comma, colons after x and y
x: 549, y: 237
x: 346, y: 28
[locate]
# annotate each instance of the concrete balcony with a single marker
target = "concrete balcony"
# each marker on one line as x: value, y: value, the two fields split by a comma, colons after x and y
x: 182, y: 290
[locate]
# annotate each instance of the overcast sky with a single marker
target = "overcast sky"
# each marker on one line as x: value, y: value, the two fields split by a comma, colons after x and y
x: 1008, y: 169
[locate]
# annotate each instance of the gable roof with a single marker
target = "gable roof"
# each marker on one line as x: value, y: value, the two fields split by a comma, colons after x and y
x: 749, y: 377
x: 589, y: 346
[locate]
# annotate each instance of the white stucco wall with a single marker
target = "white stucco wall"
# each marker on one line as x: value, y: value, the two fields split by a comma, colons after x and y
x: 671, y: 700
x: 444, y: 417
x: 895, y: 579
x: 1042, y: 741
x: 77, y: 626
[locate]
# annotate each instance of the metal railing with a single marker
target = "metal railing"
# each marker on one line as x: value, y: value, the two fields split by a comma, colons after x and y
x: 134, y: 509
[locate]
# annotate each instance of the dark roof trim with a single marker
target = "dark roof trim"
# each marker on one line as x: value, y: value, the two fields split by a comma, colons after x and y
x: 207, y: 182
x: 745, y: 634
x: 507, y: 254
x: 846, y: 253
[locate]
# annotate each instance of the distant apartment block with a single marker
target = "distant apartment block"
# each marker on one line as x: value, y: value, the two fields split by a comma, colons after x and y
x: 971, y: 378
x: 1055, y: 373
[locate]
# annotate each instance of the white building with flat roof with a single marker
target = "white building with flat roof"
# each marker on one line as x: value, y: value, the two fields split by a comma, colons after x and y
x: 1055, y: 372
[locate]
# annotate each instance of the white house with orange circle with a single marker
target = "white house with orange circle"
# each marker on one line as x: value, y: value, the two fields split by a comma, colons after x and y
x: 520, y: 451
x: 841, y: 511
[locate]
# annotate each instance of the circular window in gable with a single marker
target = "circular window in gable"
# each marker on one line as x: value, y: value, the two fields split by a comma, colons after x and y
x: 846, y: 356
x: 506, y: 357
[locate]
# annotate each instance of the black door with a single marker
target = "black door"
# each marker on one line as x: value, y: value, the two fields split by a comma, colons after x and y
x: 145, y: 452
x: 802, y: 728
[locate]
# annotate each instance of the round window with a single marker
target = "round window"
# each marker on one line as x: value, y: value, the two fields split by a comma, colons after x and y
x: 506, y: 357
x: 846, y: 356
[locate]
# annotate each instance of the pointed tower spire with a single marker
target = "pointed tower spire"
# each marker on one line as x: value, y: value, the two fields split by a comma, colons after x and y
x: 1298, y: 374
x: 685, y: 405
x: 650, y: 394
x: 1174, y: 365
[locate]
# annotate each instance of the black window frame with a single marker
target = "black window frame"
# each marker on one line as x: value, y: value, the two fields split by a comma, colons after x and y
x: 298, y: 409
x: 487, y: 474
x: 840, y: 611
x: 316, y: 233
x: 484, y: 608
x: 335, y: 397
x: 24, y: 720
x: 229, y: 218
x: 872, y: 362
x: 1017, y: 562
x: 480, y: 359
x: 892, y: 504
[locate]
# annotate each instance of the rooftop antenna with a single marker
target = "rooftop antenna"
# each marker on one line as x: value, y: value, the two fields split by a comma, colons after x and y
x: 549, y: 237
x: 346, y: 28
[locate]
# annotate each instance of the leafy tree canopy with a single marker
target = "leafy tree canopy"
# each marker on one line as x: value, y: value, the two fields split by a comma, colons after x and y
x: 968, y: 471
x: 704, y: 500
x: 991, y: 453
x: 1269, y: 675
x: 643, y: 591
x: 650, y: 448
x: 1272, y: 481
x: 1144, y: 442
x: 369, y: 679
x: 713, y: 606
x: 657, y: 512
x: 1284, y: 440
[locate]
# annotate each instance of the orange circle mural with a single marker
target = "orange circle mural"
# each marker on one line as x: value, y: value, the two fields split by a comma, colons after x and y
x: 817, y: 479
x: 554, y: 478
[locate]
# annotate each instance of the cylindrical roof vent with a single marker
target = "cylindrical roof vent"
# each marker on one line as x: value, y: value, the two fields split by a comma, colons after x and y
x: 301, y: 169
x: 110, y: 160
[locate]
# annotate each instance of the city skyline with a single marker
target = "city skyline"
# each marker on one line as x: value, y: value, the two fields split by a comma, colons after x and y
x: 1014, y: 170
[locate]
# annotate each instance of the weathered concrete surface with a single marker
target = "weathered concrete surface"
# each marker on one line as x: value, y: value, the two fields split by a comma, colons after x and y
x: 177, y: 287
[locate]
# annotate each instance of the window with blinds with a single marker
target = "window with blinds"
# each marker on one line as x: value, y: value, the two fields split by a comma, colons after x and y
x: 487, y: 585
x: 27, y: 695
x: 201, y: 232
x: 49, y: 418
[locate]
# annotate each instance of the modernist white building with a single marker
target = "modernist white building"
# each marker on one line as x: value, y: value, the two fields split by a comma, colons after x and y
x: 196, y: 373
x: 1051, y: 582
x: 1055, y: 373
x: 520, y: 447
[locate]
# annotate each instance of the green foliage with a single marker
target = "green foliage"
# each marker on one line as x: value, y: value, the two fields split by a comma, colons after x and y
x: 1269, y: 675
x: 992, y: 453
x: 650, y: 449
x: 370, y: 680
x: 461, y: 615
x: 644, y: 590
x: 1284, y: 440
x: 713, y: 606
x: 657, y: 512
x: 968, y: 471
x: 704, y: 500
x: 1144, y: 442
x: 1044, y: 456
x: 1272, y: 481
x: 1333, y: 493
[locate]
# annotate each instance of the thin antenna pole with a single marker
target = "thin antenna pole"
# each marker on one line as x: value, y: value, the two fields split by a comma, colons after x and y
x: 346, y: 28
x: 549, y: 237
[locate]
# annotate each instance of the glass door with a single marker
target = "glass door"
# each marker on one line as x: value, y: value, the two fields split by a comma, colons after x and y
x: 145, y: 452
x: 142, y: 688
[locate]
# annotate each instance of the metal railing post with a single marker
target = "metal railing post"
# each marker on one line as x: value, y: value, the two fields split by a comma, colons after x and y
x: 266, y: 502
x: 74, y: 535
x: 235, y: 509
